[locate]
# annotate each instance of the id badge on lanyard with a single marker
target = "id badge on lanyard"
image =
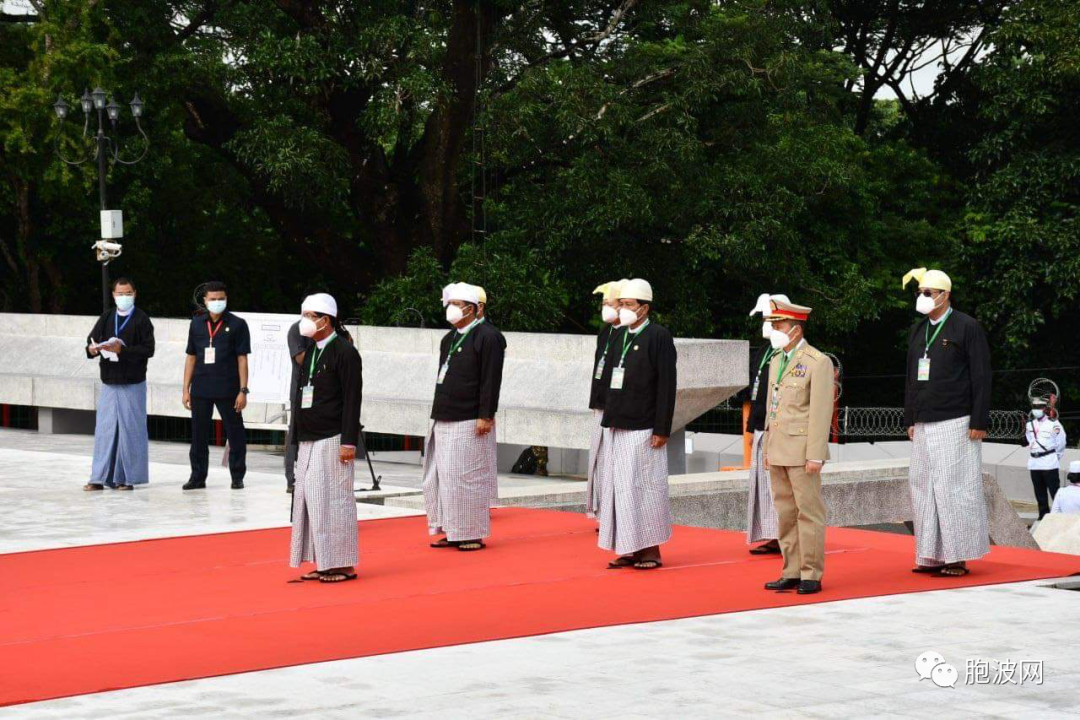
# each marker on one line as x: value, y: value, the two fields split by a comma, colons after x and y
x: 442, y: 372
x: 924, y: 369
x: 208, y: 353
x: 599, y: 368
x: 617, y: 378
x: 754, y: 391
x: 307, y: 396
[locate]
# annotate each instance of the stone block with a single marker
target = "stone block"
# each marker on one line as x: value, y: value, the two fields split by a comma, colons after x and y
x: 1059, y: 532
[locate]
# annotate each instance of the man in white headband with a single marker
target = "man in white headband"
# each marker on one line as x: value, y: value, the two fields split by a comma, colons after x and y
x: 327, y: 407
x: 761, y: 520
x: 460, y: 468
x: 947, y: 412
x: 639, y: 405
x: 609, y: 315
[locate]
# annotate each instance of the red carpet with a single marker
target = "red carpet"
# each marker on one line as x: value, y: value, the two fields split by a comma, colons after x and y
x: 84, y: 620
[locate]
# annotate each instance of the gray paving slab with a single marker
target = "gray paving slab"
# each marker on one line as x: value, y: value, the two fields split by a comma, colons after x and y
x: 851, y: 658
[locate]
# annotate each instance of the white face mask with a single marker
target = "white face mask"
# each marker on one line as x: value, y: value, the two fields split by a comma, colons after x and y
x: 779, y: 340
x: 1037, y: 414
x: 308, y: 327
x: 627, y: 317
x: 609, y: 314
x: 216, y: 306
x: 766, y: 329
x: 124, y: 302
x: 925, y: 305
x: 454, y: 314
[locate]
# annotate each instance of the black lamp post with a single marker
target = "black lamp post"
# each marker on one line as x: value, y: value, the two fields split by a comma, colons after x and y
x: 104, y: 149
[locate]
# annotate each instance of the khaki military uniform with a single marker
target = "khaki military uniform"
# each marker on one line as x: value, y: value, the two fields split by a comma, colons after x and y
x: 799, y: 413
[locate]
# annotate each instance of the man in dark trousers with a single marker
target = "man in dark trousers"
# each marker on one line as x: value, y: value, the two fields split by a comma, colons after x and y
x: 298, y: 347
x: 215, y: 375
x: 1046, y: 443
x: 124, y: 341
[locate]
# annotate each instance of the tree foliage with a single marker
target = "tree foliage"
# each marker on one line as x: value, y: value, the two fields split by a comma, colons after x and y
x: 720, y: 149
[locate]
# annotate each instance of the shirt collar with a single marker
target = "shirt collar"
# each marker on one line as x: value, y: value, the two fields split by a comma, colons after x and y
x: 640, y: 327
x: 470, y: 326
x: 121, y: 313
x: 801, y: 343
x: 942, y: 318
x: 325, y: 341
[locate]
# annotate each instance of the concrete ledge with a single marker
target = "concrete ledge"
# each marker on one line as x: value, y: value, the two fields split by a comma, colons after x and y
x: 857, y: 493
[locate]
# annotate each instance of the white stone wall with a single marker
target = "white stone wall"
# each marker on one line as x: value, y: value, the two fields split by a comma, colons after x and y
x: 544, y: 398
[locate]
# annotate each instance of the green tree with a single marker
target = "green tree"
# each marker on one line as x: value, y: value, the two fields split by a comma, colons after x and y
x: 1022, y: 226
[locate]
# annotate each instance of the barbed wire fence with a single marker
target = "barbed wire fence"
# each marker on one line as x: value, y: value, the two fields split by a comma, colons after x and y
x: 862, y: 422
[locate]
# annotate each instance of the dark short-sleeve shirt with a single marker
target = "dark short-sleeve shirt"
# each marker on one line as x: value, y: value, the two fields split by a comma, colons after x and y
x: 297, y: 344
x: 222, y: 379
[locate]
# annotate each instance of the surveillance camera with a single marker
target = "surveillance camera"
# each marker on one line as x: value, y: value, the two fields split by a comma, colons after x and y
x: 106, y: 250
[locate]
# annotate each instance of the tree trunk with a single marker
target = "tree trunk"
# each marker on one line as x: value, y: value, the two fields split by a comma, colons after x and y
x: 23, y: 236
x: 444, y: 222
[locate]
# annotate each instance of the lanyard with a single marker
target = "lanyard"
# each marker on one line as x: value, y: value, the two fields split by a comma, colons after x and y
x: 629, y: 340
x: 316, y: 353
x: 783, y: 364
x: 118, y: 326
x: 930, y: 340
x: 215, y: 331
x: 455, y: 345
x: 764, y: 359
x: 610, y: 337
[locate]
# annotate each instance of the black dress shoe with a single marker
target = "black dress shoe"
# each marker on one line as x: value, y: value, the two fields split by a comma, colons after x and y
x: 809, y: 587
x: 194, y: 485
x: 783, y: 584
x: 237, y: 484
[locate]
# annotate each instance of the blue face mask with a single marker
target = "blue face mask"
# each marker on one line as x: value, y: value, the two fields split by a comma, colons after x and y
x: 216, y: 306
x: 124, y: 302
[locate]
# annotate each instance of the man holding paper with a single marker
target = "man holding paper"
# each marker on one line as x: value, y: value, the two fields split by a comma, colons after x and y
x: 123, y: 340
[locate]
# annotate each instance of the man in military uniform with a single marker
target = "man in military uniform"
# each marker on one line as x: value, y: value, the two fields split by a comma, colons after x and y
x: 800, y: 407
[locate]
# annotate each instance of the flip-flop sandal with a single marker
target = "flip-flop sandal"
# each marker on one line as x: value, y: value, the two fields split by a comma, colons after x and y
x: 125, y: 487
x: 444, y: 543
x: 313, y: 575
x: 648, y: 565
x: 622, y: 562
x: 765, y: 550
x: 953, y: 571
x: 90, y: 487
x: 471, y: 546
x: 926, y: 569
x: 341, y: 577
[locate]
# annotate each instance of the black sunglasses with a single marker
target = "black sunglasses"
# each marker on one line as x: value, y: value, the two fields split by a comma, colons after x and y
x: 927, y: 293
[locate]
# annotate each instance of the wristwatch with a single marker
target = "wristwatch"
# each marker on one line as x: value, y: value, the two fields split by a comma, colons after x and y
x: 244, y: 390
